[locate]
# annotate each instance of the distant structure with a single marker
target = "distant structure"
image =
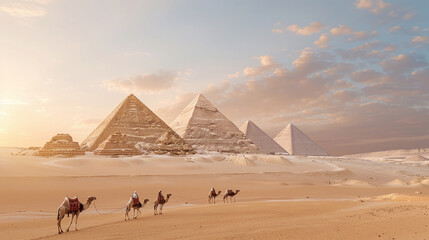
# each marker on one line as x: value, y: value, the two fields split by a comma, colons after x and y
x: 206, y: 129
x: 264, y: 142
x: 61, y: 145
x: 296, y: 142
x: 141, y: 127
x: 117, y: 145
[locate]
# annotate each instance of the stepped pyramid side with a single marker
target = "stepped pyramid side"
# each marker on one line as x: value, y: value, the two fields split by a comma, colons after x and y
x: 61, y: 144
x: 264, y: 142
x: 117, y: 145
x: 206, y: 129
x: 296, y: 142
x: 143, y: 128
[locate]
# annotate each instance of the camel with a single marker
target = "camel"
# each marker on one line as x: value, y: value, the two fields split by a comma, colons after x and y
x: 213, y: 195
x: 130, y: 205
x: 160, y: 201
x: 64, y: 209
x: 231, y: 194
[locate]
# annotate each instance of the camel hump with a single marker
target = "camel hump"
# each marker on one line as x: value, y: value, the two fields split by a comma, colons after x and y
x: 229, y: 191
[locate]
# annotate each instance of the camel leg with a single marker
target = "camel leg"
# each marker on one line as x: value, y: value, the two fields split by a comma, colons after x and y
x: 75, y: 223
x: 71, y: 221
x: 60, y: 230
x: 60, y: 217
x: 138, y: 212
x: 160, y: 209
x: 234, y: 199
x: 126, y: 213
x: 155, y: 206
x: 214, y: 200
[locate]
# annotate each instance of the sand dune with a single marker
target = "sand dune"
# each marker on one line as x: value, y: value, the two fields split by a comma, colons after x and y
x: 281, y: 197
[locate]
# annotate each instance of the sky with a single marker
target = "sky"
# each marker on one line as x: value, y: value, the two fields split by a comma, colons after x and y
x: 353, y: 75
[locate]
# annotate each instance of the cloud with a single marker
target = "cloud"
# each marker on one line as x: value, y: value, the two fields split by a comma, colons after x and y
x: 395, y: 29
x: 348, y: 31
x: 267, y: 65
x: 13, y: 102
x: 344, y: 110
x: 277, y: 30
x: 369, y: 51
x: 146, y: 83
x: 313, y: 28
x: 386, y: 12
x: 234, y: 75
x: 367, y: 76
x: 408, y: 16
x: 25, y: 8
x: 402, y: 64
x: 375, y: 6
x: 323, y: 40
x: 420, y: 39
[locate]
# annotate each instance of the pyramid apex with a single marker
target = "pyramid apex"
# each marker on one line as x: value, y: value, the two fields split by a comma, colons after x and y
x: 202, y: 102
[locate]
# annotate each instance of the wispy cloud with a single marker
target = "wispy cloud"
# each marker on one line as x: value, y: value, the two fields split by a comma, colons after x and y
x: 420, y: 39
x: 348, y: 31
x: 13, y: 102
x: 25, y: 8
x: 147, y: 83
x: 314, y: 27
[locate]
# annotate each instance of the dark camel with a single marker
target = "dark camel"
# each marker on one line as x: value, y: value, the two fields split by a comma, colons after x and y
x: 231, y: 194
x: 160, y: 202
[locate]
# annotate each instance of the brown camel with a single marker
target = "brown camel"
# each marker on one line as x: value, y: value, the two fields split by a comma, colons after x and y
x: 160, y: 201
x: 213, y: 195
x: 231, y: 194
x: 64, y: 209
x: 134, y: 207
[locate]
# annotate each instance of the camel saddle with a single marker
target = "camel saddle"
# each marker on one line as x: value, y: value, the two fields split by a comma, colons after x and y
x: 230, y: 192
x: 136, y: 202
x: 213, y: 192
x: 161, y: 199
x: 75, y: 205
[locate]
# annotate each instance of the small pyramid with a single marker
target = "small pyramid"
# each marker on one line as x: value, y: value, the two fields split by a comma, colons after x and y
x: 264, y: 142
x: 206, y: 129
x: 296, y: 142
x: 141, y: 127
x: 61, y: 145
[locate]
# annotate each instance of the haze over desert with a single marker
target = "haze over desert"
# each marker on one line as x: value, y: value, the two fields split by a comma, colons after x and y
x: 214, y: 119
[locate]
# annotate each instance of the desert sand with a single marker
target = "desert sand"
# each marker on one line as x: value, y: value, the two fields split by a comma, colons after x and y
x: 281, y: 197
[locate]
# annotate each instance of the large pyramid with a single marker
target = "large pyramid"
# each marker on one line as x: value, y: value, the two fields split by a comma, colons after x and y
x: 296, y: 142
x: 142, y: 128
x: 206, y: 129
x: 264, y: 142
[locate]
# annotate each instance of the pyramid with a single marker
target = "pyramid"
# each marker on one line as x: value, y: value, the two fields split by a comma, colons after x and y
x: 141, y: 127
x: 264, y: 142
x: 296, y: 142
x: 206, y: 129
x: 61, y: 144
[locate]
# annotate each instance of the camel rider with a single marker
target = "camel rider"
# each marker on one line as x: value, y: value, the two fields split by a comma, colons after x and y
x: 136, y: 200
x: 213, y: 191
x: 160, y: 195
x: 135, y: 196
